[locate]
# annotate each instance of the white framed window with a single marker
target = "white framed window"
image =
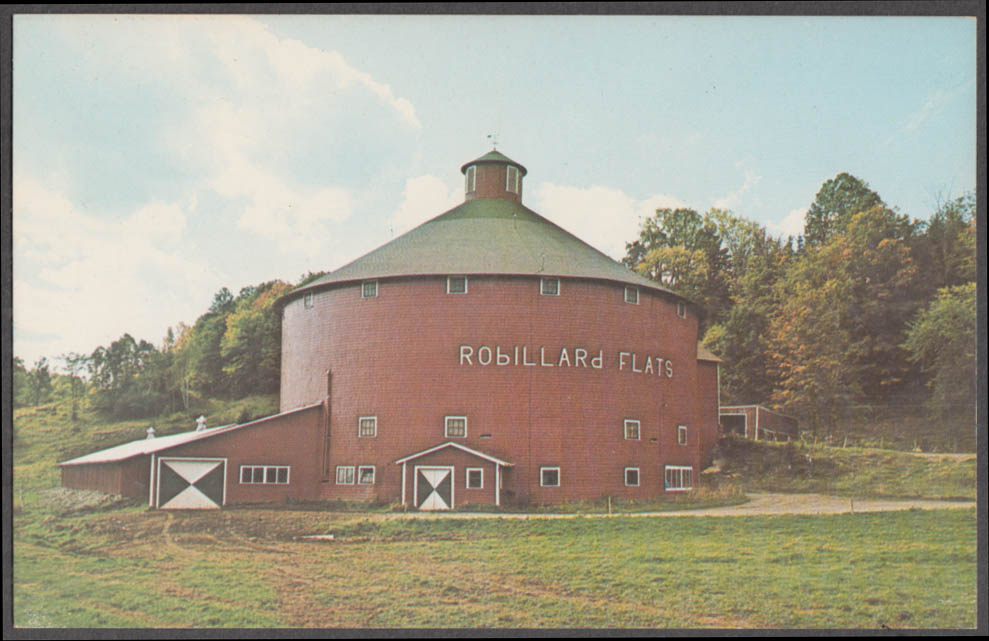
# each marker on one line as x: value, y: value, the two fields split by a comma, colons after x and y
x: 549, y: 477
x: 549, y: 286
x: 455, y: 426
x: 365, y: 475
x: 681, y: 434
x: 632, y: 295
x: 456, y: 285
x: 470, y: 179
x: 475, y: 478
x: 345, y: 474
x: 678, y: 477
x: 307, y: 300
x: 512, y: 179
x: 682, y: 309
x: 264, y: 474
x: 633, y: 429
x: 367, y: 426
x: 631, y: 477
x: 369, y: 289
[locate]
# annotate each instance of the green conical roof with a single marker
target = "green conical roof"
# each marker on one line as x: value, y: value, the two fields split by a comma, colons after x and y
x: 493, y: 156
x: 486, y: 236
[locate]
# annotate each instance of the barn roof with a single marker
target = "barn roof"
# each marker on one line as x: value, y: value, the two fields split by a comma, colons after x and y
x: 486, y: 236
x: 704, y: 354
x: 493, y: 156
x: 146, y: 446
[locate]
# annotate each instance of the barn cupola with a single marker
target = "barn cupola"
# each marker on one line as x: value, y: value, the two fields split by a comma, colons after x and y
x: 493, y: 175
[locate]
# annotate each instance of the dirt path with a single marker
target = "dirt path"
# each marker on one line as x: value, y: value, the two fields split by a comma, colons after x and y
x: 943, y: 457
x: 763, y: 503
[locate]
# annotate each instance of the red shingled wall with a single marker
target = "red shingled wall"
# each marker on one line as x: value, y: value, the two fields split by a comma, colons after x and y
x: 396, y: 357
x: 127, y: 478
x: 292, y: 440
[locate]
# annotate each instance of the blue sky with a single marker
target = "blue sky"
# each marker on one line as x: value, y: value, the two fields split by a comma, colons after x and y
x: 160, y: 158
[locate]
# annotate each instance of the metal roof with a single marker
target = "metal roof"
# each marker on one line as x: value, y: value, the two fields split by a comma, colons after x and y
x: 494, y: 156
x: 151, y: 445
x: 491, y: 236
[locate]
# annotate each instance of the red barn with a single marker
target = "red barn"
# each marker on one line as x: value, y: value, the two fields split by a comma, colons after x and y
x: 485, y: 357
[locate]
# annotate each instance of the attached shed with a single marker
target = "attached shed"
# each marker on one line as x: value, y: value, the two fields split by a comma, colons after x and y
x: 757, y: 423
x: 270, y: 459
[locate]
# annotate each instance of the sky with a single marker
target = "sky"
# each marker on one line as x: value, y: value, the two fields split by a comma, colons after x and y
x: 158, y: 159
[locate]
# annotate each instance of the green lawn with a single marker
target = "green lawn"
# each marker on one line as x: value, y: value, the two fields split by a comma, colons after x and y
x: 852, y: 471
x: 246, y: 568
x: 128, y: 567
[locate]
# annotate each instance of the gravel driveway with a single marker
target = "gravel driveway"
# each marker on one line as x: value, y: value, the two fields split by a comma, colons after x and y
x: 761, y: 503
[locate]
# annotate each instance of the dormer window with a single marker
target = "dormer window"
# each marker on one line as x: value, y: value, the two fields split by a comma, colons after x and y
x: 512, y: 179
x: 632, y: 295
x: 456, y: 285
x: 470, y: 179
x: 549, y: 286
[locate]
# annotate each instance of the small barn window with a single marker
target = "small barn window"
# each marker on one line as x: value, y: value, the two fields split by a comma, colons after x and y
x: 681, y: 434
x: 365, y: 475
x: 475, y: 478
x: 512, y: 179
x: 632, y: 477
x: 307, y: 301
x: 549, y: 477
x: 678, y: 477
x: 369, y: 289
x: 632, y: 295
x: 632, y: 429
x: 345, y: 474
x: 264, y: 474
x: 455, y: 426
x: 367, y: 426
x: 470, y: 178
x: 456, y: 285
x: 682, y: 309
x: 549, y: 286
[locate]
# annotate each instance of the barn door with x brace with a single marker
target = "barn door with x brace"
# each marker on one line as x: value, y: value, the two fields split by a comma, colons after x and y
x: 434, y: 487
x: 191, y: 483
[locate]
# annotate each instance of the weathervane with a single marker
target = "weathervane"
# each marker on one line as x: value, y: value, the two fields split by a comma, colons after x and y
x: 494, y: 140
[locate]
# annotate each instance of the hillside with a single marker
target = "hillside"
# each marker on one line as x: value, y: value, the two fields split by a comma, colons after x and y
x: 851, y: 471
x: 45, y: 435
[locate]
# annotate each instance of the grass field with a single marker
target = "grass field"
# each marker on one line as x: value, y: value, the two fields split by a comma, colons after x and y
x: 119, y: 565
x: 247, y: 568
x: 851, y: 471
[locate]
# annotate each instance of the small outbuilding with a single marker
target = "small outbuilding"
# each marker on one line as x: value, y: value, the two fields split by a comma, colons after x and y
x: 757, y: 423
x: 212, y: 467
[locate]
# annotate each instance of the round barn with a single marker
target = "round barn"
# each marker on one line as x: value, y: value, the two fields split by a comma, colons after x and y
x: 486, y: 357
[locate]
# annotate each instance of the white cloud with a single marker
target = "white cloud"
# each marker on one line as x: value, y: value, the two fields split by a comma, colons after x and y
x: 603, y: 217
x: 99, y: 279
x: 732, y: 200
x: 266, y: 130
x: 269, y: 123
x: 424, y: 197
x: 791, y: 225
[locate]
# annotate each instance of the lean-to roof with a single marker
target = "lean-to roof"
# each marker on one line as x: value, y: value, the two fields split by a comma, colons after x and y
x: 151, y: 445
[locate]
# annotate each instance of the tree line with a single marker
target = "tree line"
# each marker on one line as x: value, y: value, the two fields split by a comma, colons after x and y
x: 867, y: 307
x: 231, y: 351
